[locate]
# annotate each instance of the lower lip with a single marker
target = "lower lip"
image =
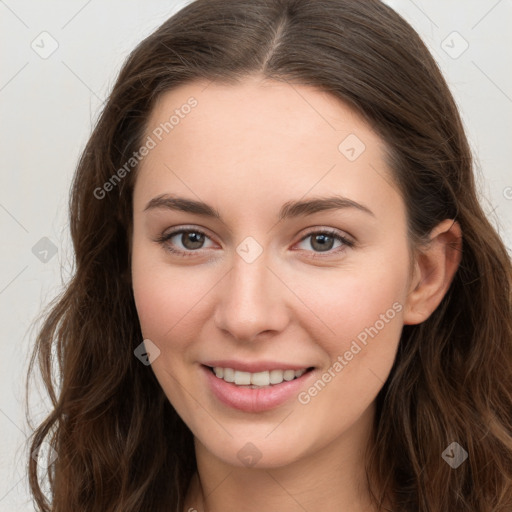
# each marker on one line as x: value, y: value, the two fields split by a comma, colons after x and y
x: 254, y: 399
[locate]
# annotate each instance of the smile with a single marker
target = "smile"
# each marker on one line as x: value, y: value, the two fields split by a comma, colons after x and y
x: 258, y: 379
x: 259, y: 391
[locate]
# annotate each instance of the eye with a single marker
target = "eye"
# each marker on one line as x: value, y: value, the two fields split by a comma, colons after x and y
x: 191, y: 241
x: 325, y: 240
x: 187, y: 242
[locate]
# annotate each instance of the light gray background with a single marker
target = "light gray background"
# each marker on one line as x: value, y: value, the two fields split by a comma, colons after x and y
x: 48, y: 106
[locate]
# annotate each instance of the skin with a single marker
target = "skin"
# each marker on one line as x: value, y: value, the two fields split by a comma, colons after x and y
x: 246, y: 150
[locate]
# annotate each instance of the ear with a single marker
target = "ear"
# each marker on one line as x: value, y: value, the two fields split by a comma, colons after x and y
x: 434, y: 268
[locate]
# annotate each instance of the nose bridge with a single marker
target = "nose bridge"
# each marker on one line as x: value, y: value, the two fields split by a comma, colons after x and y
x: 252, y: 299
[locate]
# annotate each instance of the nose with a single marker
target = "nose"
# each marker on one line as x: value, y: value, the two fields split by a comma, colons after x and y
x: 252, y: 301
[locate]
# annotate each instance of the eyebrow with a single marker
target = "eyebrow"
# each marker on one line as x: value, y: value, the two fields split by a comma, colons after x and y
x: 289, y: 210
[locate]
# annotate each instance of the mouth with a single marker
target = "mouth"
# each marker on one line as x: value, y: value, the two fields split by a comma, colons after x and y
x: 257, y: 380
x: 257, y: 391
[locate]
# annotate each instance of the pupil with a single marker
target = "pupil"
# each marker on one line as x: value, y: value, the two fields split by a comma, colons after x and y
x: 325, y: 242
x: 192, y: 240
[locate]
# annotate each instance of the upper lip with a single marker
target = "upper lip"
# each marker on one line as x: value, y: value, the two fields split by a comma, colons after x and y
x: 254, y: 366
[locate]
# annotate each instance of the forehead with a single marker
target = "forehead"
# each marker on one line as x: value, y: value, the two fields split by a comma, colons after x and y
x: 260, y: 139
x: 254, y: 112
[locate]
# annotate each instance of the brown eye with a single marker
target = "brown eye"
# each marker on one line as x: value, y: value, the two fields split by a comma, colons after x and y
x: 192, y: 240
x: 185, y: 242
x: 322, y: 242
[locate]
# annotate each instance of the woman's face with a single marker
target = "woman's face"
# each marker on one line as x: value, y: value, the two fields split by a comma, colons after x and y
x: 295, y: 257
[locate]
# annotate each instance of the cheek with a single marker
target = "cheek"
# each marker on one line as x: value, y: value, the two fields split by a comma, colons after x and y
x: 168, y: 304
x: 364, y: 309
x: 352, y: 300
x: 160, y: 297
x: 369, y: 303
x: 171, y: 302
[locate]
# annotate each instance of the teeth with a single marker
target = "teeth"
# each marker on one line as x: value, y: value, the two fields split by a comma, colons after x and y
x: 289, y: 375
x: 276, y: 376
x: 259, y: 379
x: 229, y: 374
x: 242, y: 378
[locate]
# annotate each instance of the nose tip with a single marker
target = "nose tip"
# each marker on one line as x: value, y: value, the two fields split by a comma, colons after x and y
x: 250, y: 302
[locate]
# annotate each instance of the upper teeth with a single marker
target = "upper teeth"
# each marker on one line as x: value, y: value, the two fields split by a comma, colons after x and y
x: 256, y: 379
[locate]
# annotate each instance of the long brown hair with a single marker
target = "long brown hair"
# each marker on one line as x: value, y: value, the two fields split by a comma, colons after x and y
x: 121, y: 447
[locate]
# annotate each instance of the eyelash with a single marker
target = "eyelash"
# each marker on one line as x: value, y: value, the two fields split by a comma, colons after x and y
x: 164, y: 238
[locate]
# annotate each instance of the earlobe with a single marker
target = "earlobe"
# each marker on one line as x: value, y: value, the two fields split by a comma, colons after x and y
x: 434, y: 269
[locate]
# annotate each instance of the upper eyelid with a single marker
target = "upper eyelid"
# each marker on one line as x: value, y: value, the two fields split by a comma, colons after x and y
x: 186, y: 229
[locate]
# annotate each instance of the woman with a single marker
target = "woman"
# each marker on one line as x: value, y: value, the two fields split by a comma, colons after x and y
x: 287, y: 296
